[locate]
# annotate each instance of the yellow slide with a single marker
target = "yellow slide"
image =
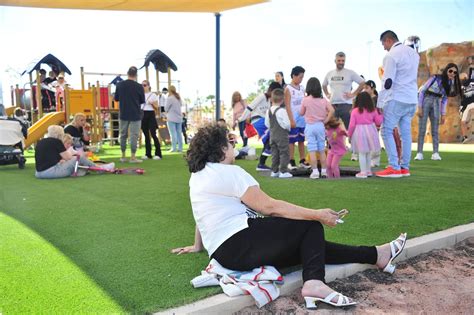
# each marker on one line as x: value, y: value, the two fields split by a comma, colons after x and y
x: 38, y: 130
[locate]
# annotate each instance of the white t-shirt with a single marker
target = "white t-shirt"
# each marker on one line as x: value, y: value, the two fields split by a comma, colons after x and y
x: 150, y: 97
x: 297, y: 95
x: 340, y: 82
x: 215, y: 193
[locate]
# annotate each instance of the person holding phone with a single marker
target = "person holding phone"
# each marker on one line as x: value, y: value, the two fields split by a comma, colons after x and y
x: 228, y: 204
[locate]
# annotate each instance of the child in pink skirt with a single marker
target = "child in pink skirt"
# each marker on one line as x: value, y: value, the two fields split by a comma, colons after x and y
x: 336, y: 135
x: 363, y: 131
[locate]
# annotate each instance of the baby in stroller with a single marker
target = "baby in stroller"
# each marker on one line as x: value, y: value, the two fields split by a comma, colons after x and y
x: 12, y: 135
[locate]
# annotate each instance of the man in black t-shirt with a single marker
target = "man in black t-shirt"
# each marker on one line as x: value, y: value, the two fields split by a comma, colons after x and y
x: 130, y: 96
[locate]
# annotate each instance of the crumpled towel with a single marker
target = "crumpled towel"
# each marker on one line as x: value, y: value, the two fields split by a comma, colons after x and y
x: 260, y: 282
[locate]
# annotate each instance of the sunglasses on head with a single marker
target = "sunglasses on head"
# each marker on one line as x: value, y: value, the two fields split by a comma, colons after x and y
x: 452, y: 71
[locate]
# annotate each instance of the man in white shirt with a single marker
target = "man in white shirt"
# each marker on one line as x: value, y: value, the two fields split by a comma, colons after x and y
x: 340, y: 82
x: 398, y: 99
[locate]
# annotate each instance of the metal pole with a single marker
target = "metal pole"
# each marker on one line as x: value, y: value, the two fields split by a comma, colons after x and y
x: 218, y: 66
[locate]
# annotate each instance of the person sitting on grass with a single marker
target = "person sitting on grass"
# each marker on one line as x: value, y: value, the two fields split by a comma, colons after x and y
x: 79, y: 130
x: 226, y: 202
x: 54, y: 161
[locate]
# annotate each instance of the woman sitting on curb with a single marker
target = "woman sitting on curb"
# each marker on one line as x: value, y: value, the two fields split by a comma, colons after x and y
x: 53, y: 160
x: 224, y: 197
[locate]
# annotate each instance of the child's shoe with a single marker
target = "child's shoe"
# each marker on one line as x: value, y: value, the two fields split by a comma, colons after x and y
x: 292, y: 165
x: 285, y: 175
x: 273, y: 174
x: 361, y: 175
x: 419, y: 156
x: 304, y: 164
x: 314, y: 174
x: 435, y: 157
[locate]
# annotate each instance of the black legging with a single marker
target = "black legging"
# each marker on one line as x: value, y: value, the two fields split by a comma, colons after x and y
x: 149, y: 126
x: 242, y: 135
x: 285, y: 243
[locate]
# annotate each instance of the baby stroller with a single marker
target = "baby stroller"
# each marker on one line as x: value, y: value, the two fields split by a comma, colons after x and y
x: 12, y: 136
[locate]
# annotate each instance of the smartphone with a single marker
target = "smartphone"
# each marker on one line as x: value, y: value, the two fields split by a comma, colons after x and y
x: 341, y: 215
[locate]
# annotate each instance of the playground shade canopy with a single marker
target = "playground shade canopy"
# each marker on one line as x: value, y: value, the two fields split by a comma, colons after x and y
x: 160, y: 60
x: 211, y: 6
x: 54, y: 63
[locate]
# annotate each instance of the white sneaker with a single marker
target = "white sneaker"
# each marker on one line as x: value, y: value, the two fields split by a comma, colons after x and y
x: 354, y: 157
x: 108, y: 167
x: 314, y: 174
x: 277, y: 174
x: 156, y: 157
x: 144, y: 157
x: 419, y: 156
x: 435, y: 157
x: 285, y: 175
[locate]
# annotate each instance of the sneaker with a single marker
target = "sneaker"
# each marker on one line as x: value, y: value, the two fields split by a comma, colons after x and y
x: 285, y: 175
x: 108, y: 167
x: 292, y: 165
x: 263, y: 167
x: 354, y: 157
x: 156, y: 158
x: 273, y: 174
x: 267, y: 152
x: 419, y: 156
x: 145, y: 157
x: 314, y: 174
x: 370, y: 174
x: 304, y: 164
x: 435, y: 156
x: 123, y: 160
x: 361, y: 175
x: 389, y: 172
x: 135, y: 161
x: 405, y: 172
x: 324, y: 175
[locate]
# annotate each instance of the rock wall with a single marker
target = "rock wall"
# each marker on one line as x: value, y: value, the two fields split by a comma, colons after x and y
x: 432, y: 61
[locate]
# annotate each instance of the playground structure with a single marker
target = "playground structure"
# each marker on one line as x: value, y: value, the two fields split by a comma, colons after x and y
x: 95, y: 101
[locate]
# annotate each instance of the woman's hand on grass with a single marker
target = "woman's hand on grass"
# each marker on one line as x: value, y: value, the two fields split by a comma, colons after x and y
x: 186, y: 250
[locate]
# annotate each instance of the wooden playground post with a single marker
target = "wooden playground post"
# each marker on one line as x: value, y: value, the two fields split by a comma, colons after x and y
x: 82, y: 78
x: 17, y: 96
x: 67, y: 102
x: 38, y: 96
x: 147, y: 74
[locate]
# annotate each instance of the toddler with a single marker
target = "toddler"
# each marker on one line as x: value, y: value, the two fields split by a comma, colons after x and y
x: 336, y: 134
x: 363, y: 132
x: 278, y: 122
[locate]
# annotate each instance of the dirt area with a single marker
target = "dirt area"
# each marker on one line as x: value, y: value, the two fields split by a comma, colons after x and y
x: 438, y: 282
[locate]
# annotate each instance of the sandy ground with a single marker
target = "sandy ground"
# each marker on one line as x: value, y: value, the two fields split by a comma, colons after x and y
x: 438, y: 282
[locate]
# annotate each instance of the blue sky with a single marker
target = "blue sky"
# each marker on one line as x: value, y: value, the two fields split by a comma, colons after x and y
x: 255, y: 41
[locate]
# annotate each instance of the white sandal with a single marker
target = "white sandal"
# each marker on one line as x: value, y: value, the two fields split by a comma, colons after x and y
x: 396, y: 249
x: 342, y: 300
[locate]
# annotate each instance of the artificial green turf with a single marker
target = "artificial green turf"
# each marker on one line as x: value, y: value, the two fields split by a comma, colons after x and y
x: 101, y: 243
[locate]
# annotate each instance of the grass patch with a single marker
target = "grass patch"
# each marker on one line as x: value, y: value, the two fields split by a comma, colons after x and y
x: 101, y: 243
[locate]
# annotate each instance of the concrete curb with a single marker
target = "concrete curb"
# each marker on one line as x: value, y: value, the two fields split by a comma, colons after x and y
x: 222, y: 304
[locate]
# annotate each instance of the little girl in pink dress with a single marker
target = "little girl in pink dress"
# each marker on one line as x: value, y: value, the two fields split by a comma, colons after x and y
x: 336, y: 135
x: 363, y: 132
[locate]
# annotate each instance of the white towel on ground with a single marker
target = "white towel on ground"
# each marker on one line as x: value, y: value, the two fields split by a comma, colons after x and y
x: 260, y: 282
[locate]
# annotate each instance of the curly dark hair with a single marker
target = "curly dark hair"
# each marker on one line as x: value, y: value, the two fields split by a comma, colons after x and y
x: 364, y: 101
x: 208, y: 145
